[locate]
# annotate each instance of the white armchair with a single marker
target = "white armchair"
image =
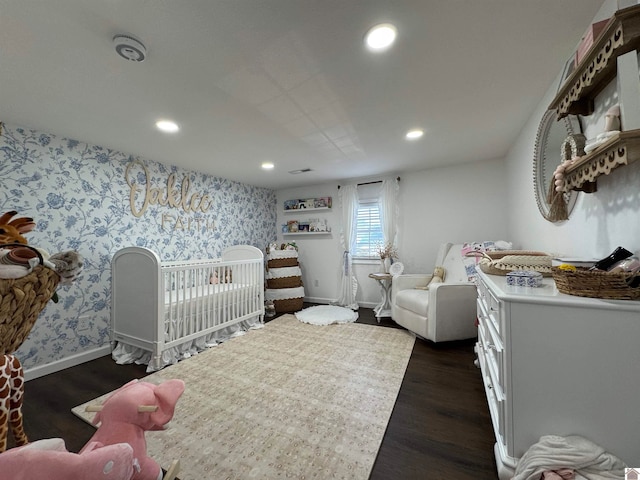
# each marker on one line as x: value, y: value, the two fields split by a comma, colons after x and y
x: 447, y: 311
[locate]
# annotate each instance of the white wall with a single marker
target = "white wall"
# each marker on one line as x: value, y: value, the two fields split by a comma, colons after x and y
x: 492, y: 200
x: 319, y: 255
x: 451, y: 204
x: 601, y: 221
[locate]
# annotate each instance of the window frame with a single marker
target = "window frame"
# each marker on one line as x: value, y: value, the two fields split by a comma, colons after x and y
x: 372, y: 244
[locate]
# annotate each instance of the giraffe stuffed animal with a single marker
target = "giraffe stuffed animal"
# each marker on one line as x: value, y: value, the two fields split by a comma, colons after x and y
x: 11, y: 230
x: 11, y: 373
x: 11, y: 393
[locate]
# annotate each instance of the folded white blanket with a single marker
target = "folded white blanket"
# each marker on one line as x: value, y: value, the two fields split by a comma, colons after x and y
x: 283, y: 293
x: 553, y: 452
x: 284, y: 272
x: 278, y: 254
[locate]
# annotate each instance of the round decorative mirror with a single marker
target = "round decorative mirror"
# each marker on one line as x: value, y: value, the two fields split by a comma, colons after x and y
x: 547, y: 156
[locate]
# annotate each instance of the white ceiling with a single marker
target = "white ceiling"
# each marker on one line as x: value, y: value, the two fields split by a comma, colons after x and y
x: 287, y: 80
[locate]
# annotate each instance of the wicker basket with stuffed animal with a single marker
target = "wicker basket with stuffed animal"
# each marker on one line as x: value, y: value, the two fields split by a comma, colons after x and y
x: 21, y: 302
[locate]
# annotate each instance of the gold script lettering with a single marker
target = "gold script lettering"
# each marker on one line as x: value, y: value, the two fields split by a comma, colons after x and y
x: 171, y: 196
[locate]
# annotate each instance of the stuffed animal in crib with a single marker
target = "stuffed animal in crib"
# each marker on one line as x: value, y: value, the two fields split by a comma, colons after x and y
x: 214, y: 279
x: 132, y: 410
x: 11, y: 230
x: 49, y: 459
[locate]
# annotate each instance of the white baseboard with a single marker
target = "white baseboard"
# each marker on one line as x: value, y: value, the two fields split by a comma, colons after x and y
x: 321, y: 301
x: 72, y: 361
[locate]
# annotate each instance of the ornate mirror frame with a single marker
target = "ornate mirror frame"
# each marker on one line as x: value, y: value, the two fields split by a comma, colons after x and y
x: 547, y: 156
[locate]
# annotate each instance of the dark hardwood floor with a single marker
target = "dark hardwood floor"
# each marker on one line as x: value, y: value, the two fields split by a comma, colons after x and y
x: 439, y: 429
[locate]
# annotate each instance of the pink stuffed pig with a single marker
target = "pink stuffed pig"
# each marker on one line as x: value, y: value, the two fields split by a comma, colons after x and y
x: 50, y: 459
x: 131, y: 411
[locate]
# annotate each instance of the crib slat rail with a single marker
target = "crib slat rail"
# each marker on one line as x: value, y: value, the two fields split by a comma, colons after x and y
x: 159, y: 306
x: 197, y: 309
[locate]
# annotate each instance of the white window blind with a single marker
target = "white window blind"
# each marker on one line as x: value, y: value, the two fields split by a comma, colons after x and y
x: 368, y: 230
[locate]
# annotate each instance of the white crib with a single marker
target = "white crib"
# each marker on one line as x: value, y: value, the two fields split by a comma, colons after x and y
x: 162, y: 312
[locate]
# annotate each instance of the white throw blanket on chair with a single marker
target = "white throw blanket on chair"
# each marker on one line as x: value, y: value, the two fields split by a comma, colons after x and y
x: 553, y: 452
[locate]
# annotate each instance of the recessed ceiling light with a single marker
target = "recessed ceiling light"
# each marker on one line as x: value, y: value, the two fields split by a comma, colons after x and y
x: 167, y: 126
x: 267, y: 166
x: 381, y: 36
x: 414, y: 134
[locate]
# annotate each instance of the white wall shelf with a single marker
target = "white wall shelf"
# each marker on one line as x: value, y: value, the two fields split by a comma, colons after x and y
x: 307, y: 233
x: 304, y: 210
x: 316, y: 203
x: 599, y: 67
x: 305, y: 227
x: 576, y: 97
x: 622, y: 149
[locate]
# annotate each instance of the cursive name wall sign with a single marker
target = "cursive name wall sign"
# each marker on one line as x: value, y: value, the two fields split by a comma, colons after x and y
x: 142, y: 194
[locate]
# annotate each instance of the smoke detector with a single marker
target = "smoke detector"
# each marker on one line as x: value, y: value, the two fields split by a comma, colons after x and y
x: 129, y: 48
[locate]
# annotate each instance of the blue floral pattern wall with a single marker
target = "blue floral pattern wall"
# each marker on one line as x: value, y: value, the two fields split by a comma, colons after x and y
x: 80, y: 196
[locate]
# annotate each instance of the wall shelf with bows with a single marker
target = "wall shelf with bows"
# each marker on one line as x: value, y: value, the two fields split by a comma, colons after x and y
x: 576, y: 96
x: 598, y: 67
x: 622, y: 149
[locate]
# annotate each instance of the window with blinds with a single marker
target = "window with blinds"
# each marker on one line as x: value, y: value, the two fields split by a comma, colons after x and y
x: 368, y: 231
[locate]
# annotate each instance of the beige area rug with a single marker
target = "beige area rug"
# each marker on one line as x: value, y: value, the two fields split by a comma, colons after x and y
x: 290, y: 400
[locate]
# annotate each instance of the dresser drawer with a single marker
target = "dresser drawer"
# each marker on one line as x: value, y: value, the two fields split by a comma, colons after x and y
x: 490, y: 307
x: 540, y: 379
x: 493, y: 353
x: 495, y: 397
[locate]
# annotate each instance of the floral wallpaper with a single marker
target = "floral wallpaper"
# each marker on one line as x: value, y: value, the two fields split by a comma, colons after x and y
x: 80, y: 196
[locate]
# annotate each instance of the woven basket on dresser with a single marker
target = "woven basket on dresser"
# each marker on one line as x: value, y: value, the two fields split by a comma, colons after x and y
x: 588, y: 283
x: 21, y: 301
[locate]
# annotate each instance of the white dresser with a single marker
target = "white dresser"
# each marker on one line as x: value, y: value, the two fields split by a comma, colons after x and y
x: 556, y: 364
